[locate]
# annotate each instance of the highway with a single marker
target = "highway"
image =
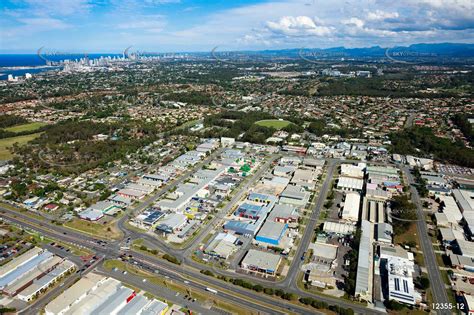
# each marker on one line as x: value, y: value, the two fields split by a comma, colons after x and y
x: 189, y: 270
x: 157, y: 290
x: 194, y: 278
x: 437, y: 285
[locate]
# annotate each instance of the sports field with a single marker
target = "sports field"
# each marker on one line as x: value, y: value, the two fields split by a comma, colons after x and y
x: 26, y: 127
x: 5, y: 154
x: 273, y: 123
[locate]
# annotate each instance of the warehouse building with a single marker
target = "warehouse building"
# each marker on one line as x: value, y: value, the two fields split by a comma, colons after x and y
x: 365, y: 268
x: 148, y: 219
x: 451, y: 209
x: 373, y: 210
x: 295, y: 195
x: 284, y: 214
x: 46, y: 281
x: 384, y: 233
x: 350, y: 210
x: 196, y: 187
x: 353, y: 171
x: 172, y: 223
x: 397, y: 271
x: 322, y: 267
x: 350, y: 184
x: 95, y: 294
x: 29, y: 273
x: 338, y: 228
x: 19, y: 261
x: 222, y: 246
x: 261, y: 262
x: 271, y: 233
x: 91, y: 215
x: 250, y: 211
x: 465, y: 199
x: 97, y: 211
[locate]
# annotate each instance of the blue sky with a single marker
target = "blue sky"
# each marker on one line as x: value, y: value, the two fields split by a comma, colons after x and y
x: 187, y: 25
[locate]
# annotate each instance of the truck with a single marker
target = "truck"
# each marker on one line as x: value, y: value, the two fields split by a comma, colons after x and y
x: 211, y: 290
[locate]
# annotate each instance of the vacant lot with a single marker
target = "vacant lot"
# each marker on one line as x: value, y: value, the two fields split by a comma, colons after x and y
x: 273, y: 123
x: 100, y: 230
x: 6, y: 143
x: 26, y: 127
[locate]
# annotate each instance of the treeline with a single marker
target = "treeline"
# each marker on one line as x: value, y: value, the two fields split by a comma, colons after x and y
x: 235, y: 123
x: 423, y: 139
x: 352, y: 257
x: 403, y: 209
x: 11, y: 120
x: 371, y: 87
x: 196, y: 98
x: 462, y: 121
x: 69, y: 147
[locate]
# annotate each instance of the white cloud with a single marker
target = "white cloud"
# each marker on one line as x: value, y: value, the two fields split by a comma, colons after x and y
x: 298, y: 26
x: 379, y: 15
x: 354, y: 22
x: 58, y: 7
x: 145, y: 23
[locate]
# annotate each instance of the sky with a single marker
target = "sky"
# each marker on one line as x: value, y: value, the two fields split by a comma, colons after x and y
x: 188, y: 25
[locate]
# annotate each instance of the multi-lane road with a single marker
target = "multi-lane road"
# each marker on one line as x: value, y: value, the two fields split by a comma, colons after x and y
x: 194, y: 279
x: 189, y: 273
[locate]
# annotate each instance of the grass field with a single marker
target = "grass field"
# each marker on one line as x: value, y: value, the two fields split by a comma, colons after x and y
x: 107, y: 231
x: 5, y: 154
x: 26, y: 127
x: 273, y: 123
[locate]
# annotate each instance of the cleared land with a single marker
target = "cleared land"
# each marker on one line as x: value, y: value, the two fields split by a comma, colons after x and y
x: 26, y: 127
x: 273, y: 123
x: 5, y: 154
x: 105, y: 231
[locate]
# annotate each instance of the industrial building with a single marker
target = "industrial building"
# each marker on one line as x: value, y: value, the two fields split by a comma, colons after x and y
x: 350, y: 210
x: 98, y: 210
x: 222, y: 246
x: 284, y: 214
x: 350, y: 184
x: 321, y: 267
x: 271, y: 233
x: 338, y: 228
x: 148, y: 218
x: 364, y: 277
x: 261, y: 262
x: 172, y: 223
x: 96, y: 294
x: 31, y: 272
x: 196, y: 187
x: 397, y: 273
x: 353, y: 171
x: 47, y: 280
x: 295, y: 195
